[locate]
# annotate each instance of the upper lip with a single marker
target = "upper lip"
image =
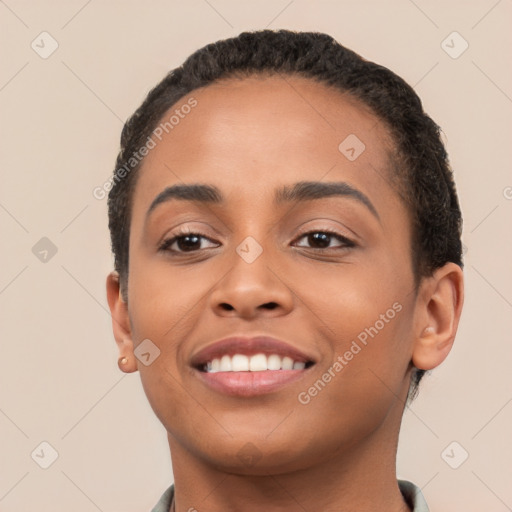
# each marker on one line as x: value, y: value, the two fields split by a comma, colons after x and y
x: 248, y: 346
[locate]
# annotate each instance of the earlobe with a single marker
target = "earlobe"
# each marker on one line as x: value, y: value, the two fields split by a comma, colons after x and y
x: 439, y: 307
x: 120, y: 324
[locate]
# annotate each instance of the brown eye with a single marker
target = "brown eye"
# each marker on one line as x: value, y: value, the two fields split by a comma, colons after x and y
x: 324, y: 239
x: 188, y: 242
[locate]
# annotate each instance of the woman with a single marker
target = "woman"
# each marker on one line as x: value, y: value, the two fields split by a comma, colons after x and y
x: 288, y: 265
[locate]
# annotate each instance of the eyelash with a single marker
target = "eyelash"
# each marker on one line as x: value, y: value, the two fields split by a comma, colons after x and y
x: 166, y: 244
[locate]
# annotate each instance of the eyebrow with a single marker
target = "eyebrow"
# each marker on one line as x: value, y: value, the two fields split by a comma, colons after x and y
x: 301, y: 191
x: 193, y: 192
x: 307, y: 190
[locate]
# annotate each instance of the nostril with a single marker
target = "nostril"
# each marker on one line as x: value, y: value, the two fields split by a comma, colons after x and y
x: 267, y: 305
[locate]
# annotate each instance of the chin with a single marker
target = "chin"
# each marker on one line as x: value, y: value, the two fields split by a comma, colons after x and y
x: 252, y: 456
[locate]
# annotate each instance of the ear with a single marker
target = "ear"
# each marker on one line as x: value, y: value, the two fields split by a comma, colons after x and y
x: 438, y: 310
x: 120, y: 324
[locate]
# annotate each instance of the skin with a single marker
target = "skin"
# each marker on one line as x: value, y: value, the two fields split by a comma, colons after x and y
x: 248, y: 138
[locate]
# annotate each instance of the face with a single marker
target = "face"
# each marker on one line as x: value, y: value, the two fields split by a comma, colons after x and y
x: 302, y: 240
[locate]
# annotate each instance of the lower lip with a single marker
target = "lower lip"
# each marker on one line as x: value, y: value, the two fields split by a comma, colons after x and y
x: 248, y: 384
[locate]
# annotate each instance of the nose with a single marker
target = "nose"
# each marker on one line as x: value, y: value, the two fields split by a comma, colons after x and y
x: 251, y: 290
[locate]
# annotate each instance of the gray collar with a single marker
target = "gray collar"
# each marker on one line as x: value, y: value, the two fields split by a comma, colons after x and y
x: 411, y: 493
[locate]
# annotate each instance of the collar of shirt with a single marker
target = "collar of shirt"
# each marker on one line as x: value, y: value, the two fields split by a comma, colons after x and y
x: 411, y: 493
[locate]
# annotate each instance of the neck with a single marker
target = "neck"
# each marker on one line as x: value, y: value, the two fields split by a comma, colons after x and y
x: 361, y: 478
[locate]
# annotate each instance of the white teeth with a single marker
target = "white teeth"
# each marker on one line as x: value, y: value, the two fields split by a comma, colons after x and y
x: 255, y: 363
x: 240, y: 363
x: 258, y: 363
x: 287, y: 363
x: 225, y: 364
x: 215, y: 365
x: 273, y: 362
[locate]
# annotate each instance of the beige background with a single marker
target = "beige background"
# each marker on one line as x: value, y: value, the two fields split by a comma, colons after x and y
x: 61, y: 120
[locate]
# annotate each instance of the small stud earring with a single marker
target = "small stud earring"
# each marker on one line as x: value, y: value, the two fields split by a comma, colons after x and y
x: 123, y: 360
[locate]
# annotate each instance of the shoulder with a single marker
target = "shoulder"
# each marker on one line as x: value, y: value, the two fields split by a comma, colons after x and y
x: 164, y: 503
x: 413, y: 496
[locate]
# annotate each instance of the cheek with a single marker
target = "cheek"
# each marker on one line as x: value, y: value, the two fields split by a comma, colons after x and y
x: 162, y: 299
x: 162, y: 308
x: 164, y: 305
x: 365, y: 314
x: 348, y: 300
x: 362, y: 380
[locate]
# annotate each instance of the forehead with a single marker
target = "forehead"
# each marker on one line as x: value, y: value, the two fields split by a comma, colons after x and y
x: 251, y: 135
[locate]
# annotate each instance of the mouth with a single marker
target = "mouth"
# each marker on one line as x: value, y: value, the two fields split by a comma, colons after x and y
x: 250, y: 366
x: 255, y: 363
